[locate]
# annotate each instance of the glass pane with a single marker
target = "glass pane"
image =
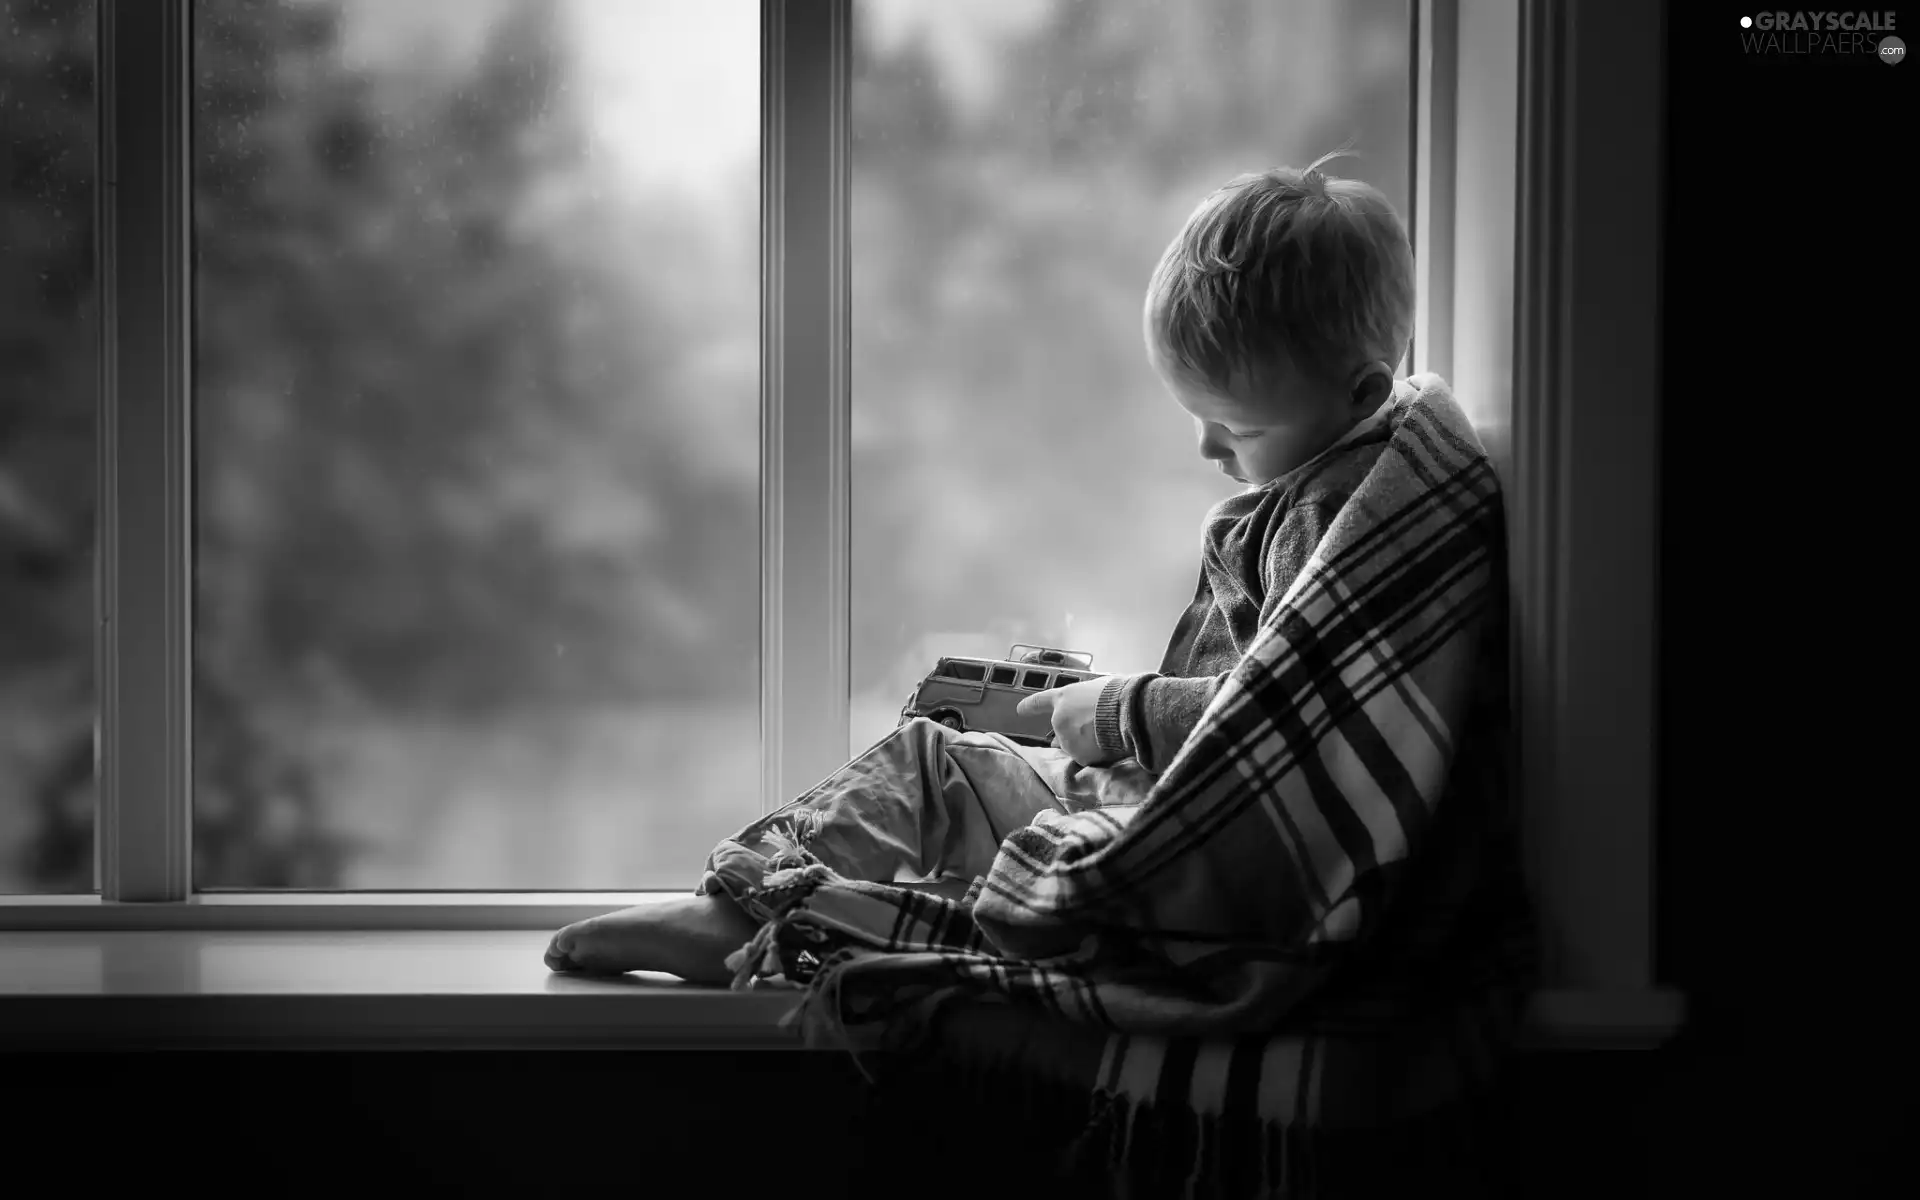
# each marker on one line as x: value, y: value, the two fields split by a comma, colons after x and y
x: 1019, y: 475
x: 49, y: 355
x: 478, y: 565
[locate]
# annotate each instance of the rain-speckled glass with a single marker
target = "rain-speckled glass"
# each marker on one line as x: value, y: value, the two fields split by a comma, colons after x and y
x: 1019, y: 474
x: 477, y: 574
x: 49, y: 370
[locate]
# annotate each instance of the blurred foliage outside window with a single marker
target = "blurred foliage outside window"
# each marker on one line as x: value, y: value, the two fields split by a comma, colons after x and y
x: 1018, y: 166
x: 477, y: 320
x: 48, y: 384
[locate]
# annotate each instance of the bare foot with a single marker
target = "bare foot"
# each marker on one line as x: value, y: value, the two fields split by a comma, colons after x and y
x: 688, y: 936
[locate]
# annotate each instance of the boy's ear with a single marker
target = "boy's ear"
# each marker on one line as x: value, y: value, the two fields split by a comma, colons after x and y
x: 1371, y: 386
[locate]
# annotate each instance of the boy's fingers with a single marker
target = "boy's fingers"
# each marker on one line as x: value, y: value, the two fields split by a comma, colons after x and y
x: 1039, y: 702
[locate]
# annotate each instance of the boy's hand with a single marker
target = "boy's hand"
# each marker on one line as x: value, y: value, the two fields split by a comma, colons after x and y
x: 1072, y: 708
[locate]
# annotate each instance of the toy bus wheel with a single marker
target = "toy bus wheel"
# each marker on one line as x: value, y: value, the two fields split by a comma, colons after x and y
x: 951, y: 719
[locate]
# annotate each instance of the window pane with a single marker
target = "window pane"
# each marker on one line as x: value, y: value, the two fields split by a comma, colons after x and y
x: 49, y: 353
x: 478, y: 565
x: 1018, y: 166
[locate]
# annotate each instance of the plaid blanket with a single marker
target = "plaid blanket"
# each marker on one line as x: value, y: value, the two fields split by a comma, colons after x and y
x: 1311, y: 933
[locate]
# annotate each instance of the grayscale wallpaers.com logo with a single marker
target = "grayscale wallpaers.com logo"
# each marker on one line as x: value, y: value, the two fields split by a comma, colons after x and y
x: 1850, y: 33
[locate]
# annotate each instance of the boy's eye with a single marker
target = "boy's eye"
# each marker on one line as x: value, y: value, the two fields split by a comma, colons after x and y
x: 1235, y: 433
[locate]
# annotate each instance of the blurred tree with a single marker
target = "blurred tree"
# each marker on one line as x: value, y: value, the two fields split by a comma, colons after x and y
x: 389, y: 365
x: 47, y: 389
x: 411, y: 394
x: 48, y: 360
x: 444, y: 463
x: 1002, y: 247
x: 437, y: 374
x: 409, y: 391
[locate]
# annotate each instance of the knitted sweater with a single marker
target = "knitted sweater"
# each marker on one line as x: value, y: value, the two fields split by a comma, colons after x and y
x: 1253, y: 547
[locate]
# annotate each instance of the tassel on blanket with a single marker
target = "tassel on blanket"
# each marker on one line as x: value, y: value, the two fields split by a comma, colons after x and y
x: 820, y: 1016
x: 1153, y: 1149
x: 995, y: 1095
x: 758, y: 959
x: 789, y: 841
x: 787, y: 881
x: 762, y: 959
x: 835, y: 1016
x: 1125, y: 1147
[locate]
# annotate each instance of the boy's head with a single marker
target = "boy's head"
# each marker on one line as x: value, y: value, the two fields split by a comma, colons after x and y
x: 1278, y: 314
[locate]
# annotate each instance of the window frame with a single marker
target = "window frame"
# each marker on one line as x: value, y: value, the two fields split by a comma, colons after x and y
x: 144, y: 642
x: 144, y: 650
x: 1550, y: 310
x: 1506, y: 263
x: 1585, y: 354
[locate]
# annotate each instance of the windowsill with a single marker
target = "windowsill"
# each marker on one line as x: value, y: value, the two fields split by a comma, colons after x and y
x: 323, y: 911
x: 360, y: 989
x: 465, y: 989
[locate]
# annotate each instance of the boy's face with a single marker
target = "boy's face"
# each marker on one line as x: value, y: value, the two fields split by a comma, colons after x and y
x: 1258, y: 435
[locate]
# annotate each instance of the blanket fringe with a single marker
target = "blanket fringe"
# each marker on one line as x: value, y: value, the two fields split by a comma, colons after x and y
x: 821, y: 1016
x: 1157, y: 1151
x: 1107, y: 1144
x: 760, y: 957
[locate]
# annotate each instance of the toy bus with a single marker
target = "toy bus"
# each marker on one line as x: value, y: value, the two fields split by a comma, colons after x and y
x: 980, y: 694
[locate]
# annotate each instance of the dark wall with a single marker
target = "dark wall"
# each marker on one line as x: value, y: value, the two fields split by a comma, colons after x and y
x: 1786, y: 522
x: 1688, y: 1102
x: 576, y: 1123
x: 403, y: 1123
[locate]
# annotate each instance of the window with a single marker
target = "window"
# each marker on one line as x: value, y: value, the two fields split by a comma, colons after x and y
x: 1036, y: 680
x: 1003, y: 675
x: 997, y: 175
x: 476, y: 582
x: 973, y: 672
x: 475, y: 442
x: 48, y: 384
x: 1017, y: 170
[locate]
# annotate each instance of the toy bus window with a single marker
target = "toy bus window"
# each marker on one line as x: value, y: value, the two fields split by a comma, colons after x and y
x: 1064, y: 680
x: 1003, y: 675
x: 1035, y: 679
x: 969, y: 671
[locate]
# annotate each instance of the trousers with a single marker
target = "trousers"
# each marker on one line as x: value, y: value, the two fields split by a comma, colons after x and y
x: 924, y: 807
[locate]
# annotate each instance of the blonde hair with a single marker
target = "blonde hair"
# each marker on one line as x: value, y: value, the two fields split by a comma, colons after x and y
x: 1284, y: 268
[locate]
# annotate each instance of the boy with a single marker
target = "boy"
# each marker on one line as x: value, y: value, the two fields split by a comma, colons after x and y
x: 1273, y: 319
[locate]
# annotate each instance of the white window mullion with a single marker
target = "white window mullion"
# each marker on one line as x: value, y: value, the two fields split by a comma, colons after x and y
x: 145, y: 544
x: 1485, y: 116
x: 1435, y: 67
x: 805, y: 337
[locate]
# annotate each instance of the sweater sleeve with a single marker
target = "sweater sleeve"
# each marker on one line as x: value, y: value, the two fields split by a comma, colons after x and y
x: 1149, y: 716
